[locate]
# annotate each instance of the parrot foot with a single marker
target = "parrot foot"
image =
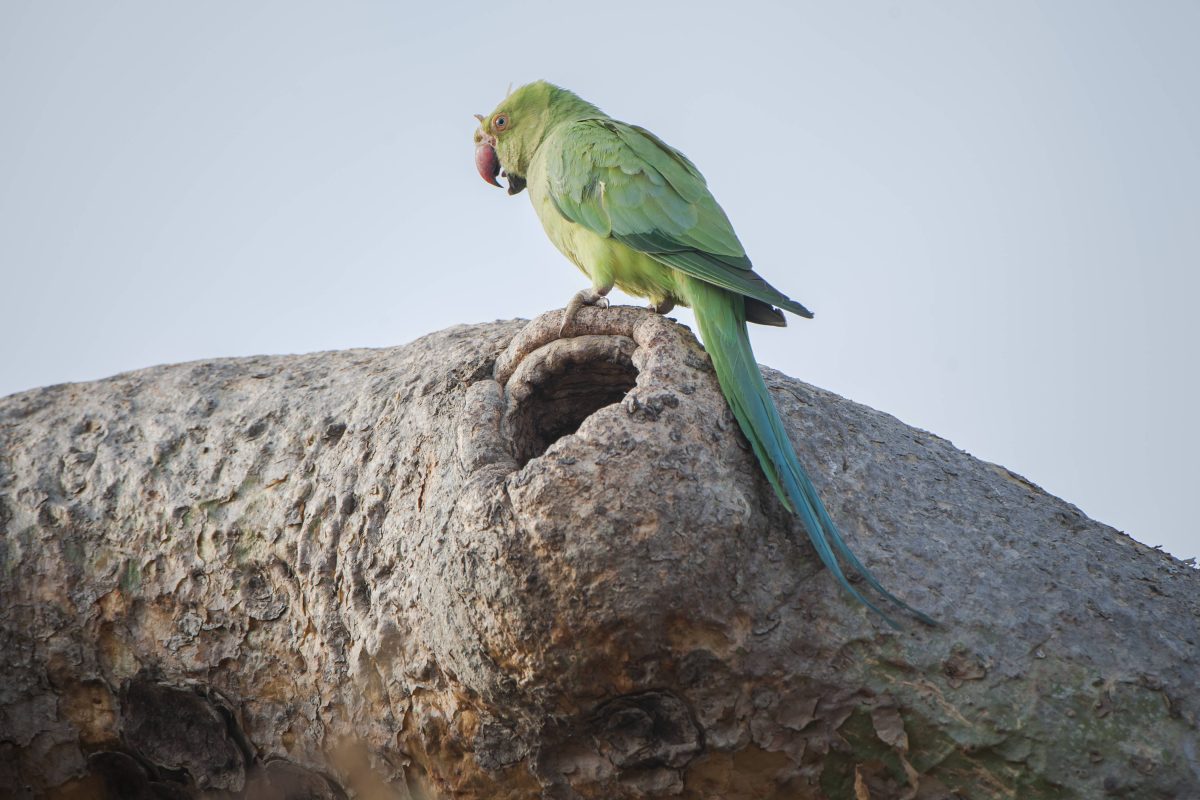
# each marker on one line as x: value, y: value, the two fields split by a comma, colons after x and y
x: 662, y: 308
x: 584, y: 297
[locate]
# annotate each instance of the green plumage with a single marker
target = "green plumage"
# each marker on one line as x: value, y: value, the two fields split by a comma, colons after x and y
x: 626, y: 186
x: 631, y: 211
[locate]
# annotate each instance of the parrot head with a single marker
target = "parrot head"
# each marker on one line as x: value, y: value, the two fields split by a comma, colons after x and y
x: 487, y: 160
x: 506, y: 139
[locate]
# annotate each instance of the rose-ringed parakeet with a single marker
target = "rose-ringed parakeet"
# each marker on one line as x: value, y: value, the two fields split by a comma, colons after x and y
x: 631, y: 211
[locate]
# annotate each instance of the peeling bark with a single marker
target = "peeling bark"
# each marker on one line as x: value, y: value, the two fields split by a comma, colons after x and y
x: 497, y: 564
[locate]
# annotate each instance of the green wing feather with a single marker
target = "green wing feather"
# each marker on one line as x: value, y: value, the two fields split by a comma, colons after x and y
x: 623, y: 182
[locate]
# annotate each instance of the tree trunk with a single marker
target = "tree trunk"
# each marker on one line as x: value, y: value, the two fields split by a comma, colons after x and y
x: 497, y: 564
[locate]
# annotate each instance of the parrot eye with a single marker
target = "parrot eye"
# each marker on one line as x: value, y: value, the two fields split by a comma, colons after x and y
x: 500, y: 122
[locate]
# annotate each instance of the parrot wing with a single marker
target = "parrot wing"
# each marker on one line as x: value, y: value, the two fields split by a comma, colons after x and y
x: 623, y: 182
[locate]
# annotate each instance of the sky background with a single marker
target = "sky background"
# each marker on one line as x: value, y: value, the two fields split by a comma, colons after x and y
x: 993, y: 208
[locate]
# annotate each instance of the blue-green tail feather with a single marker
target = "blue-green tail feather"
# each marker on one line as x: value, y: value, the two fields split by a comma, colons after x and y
x: 722, y: 319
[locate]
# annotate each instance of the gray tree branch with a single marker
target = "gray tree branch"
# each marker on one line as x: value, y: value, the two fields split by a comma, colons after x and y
x: 497, y: 564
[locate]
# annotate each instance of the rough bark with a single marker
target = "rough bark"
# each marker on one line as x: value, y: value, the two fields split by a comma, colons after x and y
x: 497, y: 564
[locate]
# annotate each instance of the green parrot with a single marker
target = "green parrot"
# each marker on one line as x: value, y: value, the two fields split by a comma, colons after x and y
x: 631, y: 211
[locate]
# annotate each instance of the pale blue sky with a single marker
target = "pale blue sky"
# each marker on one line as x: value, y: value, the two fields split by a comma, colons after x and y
x: 993, y: 208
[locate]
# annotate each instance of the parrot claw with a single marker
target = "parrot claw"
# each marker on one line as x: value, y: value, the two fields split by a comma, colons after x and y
x: 584, y: 297
x: 662, y: 308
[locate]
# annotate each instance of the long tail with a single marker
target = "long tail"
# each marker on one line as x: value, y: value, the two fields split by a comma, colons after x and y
x: 721, y: 316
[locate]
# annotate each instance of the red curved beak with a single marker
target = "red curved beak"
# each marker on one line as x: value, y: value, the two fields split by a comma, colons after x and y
x: 486, y: 160
x: 488, y: 163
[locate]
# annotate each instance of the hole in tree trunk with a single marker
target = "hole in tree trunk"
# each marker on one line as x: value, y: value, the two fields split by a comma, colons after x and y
x: 560, y: 385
